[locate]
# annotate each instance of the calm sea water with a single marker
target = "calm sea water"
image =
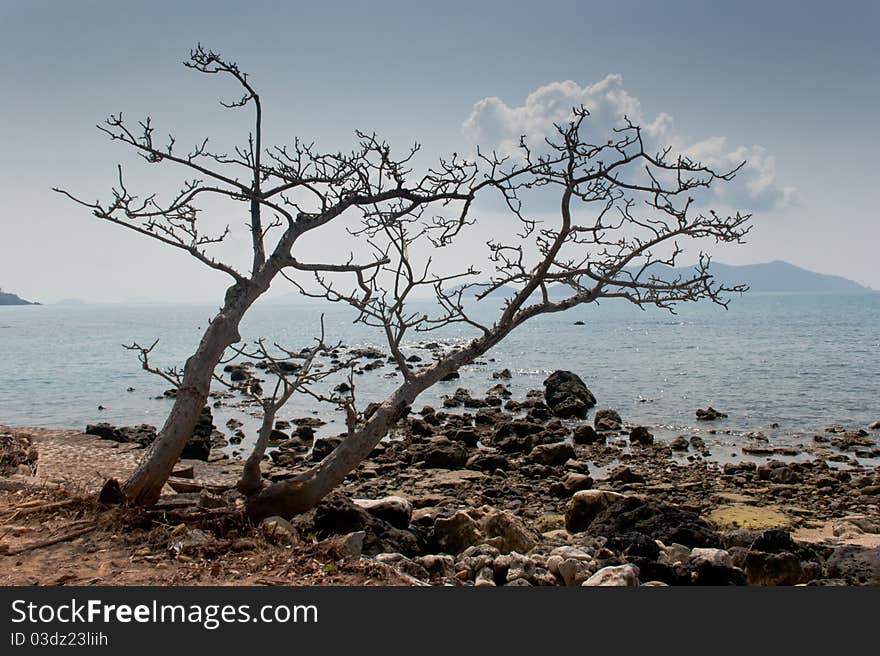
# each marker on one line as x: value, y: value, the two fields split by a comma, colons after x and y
x: 802, y: 361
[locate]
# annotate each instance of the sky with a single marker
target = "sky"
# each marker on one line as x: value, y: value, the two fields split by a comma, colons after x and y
x: 792, y: 87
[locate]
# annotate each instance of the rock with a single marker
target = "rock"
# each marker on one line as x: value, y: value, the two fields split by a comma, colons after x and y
x: 191, y: 540
x: 854, y: 525
x: 858, y: 565
x: 344, y: 547
x: 567, y: 395
x: 456, y: 533
x: 509, y: 530
x: 709, y: 414
x: 552, y: 454
x: 440, y: 453
x: 336, y: 515
x: 520, y: 567
x: 467, y: 436
x: 586, y: 434
x: 573, y: 571
x: 784, y: 568
x: 625, y: 476
x: 584, y: 506
x: 16, y: 452
x: 440, y: 565
x: 620, y: 576
x: 607, y: 420
x: 454, y: 375
x: 279, y: 529
x: 740, y: 515
x: 641, y: 435
x: 657, y: 521
x: 680, y: 443
x: 713, y: 557
x: 503, y: 374
x: 571, y: 483
x: 395, y: 510
x: 488, y: 461
x: 199, y: 445
x: 323, y: 447
x: 874, y: 426
x: 485, y: 578
x: 404, y: 565
x: 420, y: 428
x: 676, y: 555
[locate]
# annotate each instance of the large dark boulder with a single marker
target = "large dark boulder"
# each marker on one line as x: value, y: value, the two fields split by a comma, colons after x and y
x: 143, y: 434
x: 337, y: 515
x: 440, y: 452
x: 658, y: 521
x: 199, y: 445
x: 567, y: 396
x: 856, y: 565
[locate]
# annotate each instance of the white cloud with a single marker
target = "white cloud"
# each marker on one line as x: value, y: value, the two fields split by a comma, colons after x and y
x: 495, y: 124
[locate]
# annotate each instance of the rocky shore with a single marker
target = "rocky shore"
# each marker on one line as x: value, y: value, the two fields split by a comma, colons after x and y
x: 550, y: 490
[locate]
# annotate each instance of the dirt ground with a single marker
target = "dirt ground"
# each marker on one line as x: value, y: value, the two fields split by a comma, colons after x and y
x: 53, y: 532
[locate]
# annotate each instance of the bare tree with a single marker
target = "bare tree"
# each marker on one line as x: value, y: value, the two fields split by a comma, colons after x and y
x: 622, y: 211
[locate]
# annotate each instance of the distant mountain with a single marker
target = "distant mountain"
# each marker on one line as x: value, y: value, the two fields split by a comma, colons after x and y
x: 11, y: 299
x: 776, y: 276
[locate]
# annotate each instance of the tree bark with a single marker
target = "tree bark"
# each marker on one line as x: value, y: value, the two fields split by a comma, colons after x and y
x: 251, y: 480
x: 144, y: 486
x: 304, y: 492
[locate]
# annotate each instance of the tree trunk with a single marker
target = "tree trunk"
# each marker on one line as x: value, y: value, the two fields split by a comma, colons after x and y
x: 251, y: 480
x: 304, y: 492
x: 144, y: 486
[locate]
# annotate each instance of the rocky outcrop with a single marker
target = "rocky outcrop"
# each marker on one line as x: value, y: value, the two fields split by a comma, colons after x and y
x: 567, y: 396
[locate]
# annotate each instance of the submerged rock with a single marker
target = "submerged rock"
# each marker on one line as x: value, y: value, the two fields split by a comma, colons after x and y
x: 709, y: 414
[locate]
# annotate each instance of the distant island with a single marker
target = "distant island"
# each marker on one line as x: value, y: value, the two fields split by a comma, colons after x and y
x: 776, y: 276
x: 7, y: 298
x: 779, y: 276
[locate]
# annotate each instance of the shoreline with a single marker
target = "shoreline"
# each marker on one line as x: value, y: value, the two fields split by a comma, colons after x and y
x: 459, y: 490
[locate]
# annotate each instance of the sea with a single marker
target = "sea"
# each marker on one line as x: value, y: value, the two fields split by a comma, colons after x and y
x: 787, y: 365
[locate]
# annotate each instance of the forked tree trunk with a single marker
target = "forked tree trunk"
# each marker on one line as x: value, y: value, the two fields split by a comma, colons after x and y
x: 251, y: 480
x: 302, y: 493
x: 144, y: 486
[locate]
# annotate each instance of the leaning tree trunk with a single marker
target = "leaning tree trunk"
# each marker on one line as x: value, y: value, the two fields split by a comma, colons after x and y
x: 144, y: 486
x: 304, y: 492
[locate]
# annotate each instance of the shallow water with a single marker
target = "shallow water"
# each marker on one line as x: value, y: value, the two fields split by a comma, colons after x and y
x: 800, y: 360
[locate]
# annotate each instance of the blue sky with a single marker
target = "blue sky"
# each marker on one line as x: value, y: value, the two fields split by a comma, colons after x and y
x: 797, y: 81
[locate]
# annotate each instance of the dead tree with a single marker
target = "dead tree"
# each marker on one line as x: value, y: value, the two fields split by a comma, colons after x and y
x: 639, y: 206
x: 295, y: 372
x: 289, y: 191
x: 622, y: 209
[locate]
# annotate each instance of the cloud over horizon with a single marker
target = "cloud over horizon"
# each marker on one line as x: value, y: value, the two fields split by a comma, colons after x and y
x: 495, y: 124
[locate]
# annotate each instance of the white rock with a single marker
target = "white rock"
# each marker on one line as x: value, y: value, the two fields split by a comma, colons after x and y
x: 485, y: 578
x: 677, y: 554
x: 567, y: 551
x: 574, y: 572
x: 715, y: 557
x: 620, y: 575
x: 521, y: 567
